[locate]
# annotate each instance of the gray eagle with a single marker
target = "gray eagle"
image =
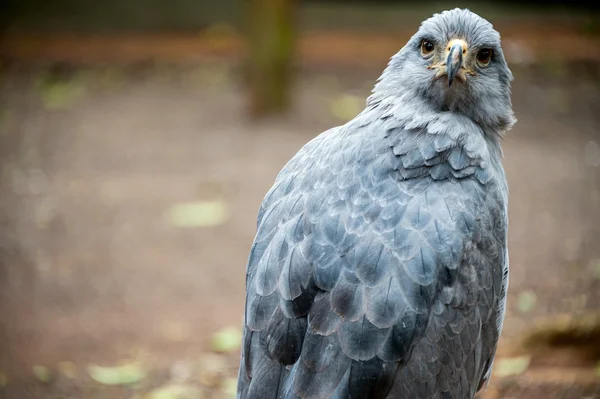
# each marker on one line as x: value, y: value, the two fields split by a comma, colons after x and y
x: 380, y: 263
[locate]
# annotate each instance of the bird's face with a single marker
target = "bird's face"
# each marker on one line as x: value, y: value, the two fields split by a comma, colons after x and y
x: 454, y: 62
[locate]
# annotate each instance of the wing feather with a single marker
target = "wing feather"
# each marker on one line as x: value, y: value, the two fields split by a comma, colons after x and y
x: 377, y: 271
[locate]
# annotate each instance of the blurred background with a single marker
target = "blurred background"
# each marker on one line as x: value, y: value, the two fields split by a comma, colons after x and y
x: 138, y: 138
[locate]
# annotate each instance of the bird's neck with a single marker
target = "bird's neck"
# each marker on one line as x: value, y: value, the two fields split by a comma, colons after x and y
x: 412, y: 104
x: 411, y: 111
x: 411, y: 114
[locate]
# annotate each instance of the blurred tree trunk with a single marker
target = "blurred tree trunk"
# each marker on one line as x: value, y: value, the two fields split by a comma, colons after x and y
x: 271, y: 32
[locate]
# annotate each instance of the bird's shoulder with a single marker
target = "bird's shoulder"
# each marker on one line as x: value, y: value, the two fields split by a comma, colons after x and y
x: 351, y: 166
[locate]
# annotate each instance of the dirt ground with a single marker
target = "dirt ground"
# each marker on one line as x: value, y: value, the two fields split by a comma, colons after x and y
x: 92, y: 270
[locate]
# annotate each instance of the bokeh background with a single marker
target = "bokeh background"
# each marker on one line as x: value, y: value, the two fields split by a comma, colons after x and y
x: 138, y: 138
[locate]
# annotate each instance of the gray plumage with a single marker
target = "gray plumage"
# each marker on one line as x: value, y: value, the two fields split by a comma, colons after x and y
x: 380, y: 265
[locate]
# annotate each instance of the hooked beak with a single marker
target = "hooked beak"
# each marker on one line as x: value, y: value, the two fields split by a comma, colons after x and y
x: 454, y: 62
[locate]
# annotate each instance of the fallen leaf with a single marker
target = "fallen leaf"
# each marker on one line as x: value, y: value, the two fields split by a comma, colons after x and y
x: 126, y: 374
x: 198, y: 214
x: 346, y: 107
x: 506, y: 367
x: 42, y: 373
x: 226, y: 340
x: 526, y: 301
x: 59, y: 94
x: 175, y: 391
x: 230, y: 387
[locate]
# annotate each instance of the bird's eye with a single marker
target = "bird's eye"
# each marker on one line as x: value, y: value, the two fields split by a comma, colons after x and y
x: 426, y: 48
x: 484, y: 56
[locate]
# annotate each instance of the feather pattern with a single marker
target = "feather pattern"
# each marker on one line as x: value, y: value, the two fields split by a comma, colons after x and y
x: 353, y: 296
x: 379, y: 267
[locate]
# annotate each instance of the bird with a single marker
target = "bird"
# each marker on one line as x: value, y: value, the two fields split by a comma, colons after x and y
x: 380, y: 265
